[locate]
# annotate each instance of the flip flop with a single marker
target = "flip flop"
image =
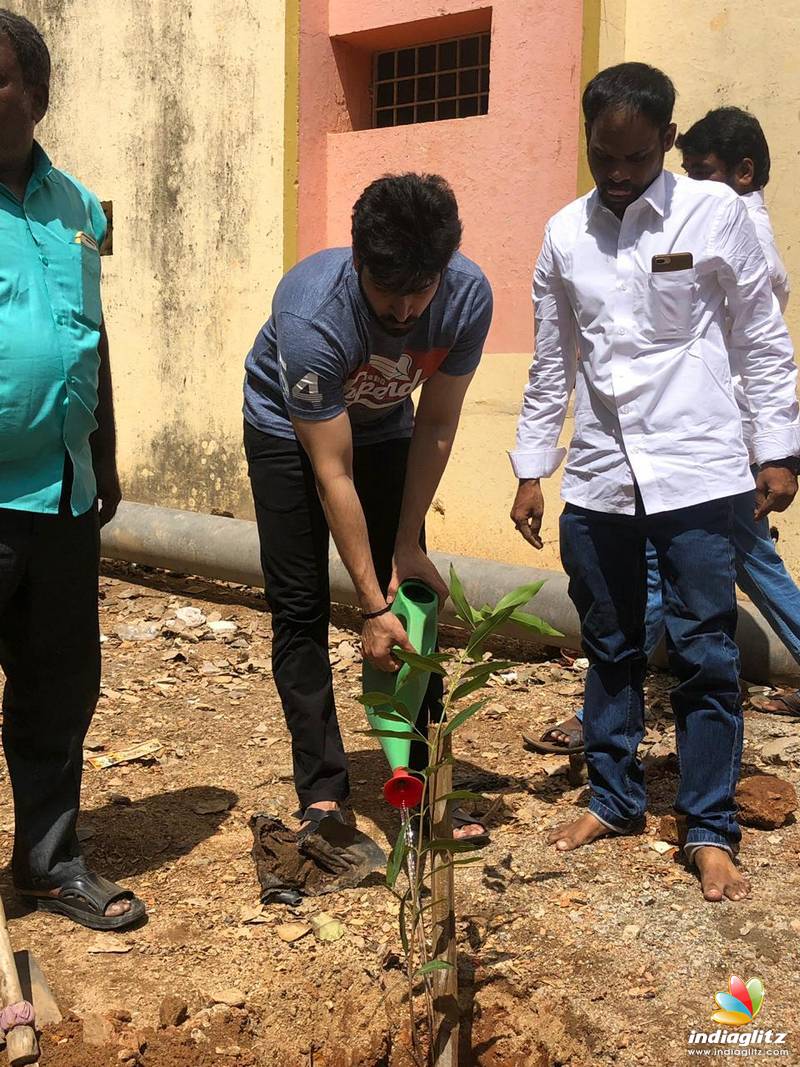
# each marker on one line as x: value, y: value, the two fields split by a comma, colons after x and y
x: 786, y: 703
x: 558, y: 748
x: 85, y: 898
x: 461, y: 818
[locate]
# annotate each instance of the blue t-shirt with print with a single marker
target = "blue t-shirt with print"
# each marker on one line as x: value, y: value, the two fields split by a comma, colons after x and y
x: 323, y: 351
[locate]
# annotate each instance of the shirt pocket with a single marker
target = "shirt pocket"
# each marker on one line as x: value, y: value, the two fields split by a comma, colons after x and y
x: 669, y: 304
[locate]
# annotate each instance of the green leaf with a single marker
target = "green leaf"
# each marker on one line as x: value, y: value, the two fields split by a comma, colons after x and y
x: 464, y: 860
x: 464, y: 610
x: 462, y: 794
x: 450, y: 844
x: 432, y: 965
x: 396, y: 859
x: 519, y: 596
x: 533, y: 622
x: 426, y: 664
x: 463, y: 689
x: 404, y: 734
x: 380, y: 700
x: 488, y: 626
x: 402, y: 920
x: 465, y: 713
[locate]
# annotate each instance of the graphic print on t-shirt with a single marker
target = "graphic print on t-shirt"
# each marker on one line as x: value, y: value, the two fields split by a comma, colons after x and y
x: 384, y: 381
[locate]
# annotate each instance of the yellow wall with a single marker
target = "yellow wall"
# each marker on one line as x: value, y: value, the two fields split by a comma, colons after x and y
x: 744, y: 54
x: 175, y: 112
x: 717, y: 53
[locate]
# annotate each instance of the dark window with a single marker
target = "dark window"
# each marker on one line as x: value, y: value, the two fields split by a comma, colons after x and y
x: 445, y: 80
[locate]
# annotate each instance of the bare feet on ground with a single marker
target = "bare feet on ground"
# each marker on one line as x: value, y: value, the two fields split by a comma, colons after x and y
x: 719, y: 875
x: 581, y: 831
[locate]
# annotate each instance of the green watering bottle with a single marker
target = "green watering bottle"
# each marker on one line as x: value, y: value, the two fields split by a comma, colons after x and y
x: 417, y: 607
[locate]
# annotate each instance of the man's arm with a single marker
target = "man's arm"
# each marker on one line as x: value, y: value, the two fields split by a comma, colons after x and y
x: 329, y: 445
x: 435, y: 426
x: 762, y: 350
x: 546, y: 398
x: 104, y: 438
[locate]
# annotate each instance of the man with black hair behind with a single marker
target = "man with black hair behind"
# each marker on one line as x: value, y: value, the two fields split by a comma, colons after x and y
x: 728, y: 145
x: 57, y: 460
x: 333, y: 445
x: 646, y: 291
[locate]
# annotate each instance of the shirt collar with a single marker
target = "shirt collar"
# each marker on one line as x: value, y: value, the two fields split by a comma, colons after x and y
x: 655, y: 195
x: 41, y: 169
x: 756, y: 197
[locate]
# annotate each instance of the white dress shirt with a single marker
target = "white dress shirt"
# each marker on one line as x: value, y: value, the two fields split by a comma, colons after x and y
x: 779, y: 279
x: 649, y: 354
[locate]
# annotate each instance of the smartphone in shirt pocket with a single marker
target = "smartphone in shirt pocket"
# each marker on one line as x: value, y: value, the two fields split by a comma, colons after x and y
x: 670, y: 296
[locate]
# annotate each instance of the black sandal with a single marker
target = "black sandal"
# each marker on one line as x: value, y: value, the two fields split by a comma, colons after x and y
x: 458, y: 818
x: 547, y: 745
x: 463, y: 818
x: 315, y: 816
x: 85, y: 898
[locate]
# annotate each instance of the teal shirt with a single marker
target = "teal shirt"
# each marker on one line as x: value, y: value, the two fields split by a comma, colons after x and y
x: 50, y: 316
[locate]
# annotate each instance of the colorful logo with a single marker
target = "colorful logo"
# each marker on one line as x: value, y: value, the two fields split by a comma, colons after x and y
x: 741, y: 1003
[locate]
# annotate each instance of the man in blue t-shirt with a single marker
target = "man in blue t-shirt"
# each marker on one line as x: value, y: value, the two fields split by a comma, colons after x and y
x: 333, y: 445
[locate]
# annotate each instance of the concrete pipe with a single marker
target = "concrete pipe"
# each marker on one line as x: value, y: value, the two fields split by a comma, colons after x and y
x: 216, y: 547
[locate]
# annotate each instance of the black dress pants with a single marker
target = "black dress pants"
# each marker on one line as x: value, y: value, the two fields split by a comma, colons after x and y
x: 294, y: 540
x: 50, y: 654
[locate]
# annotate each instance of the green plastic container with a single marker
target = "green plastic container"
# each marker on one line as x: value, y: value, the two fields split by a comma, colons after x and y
x: 417, y: 607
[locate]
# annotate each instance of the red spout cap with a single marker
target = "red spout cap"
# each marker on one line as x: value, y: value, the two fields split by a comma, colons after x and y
x: 403, y: 790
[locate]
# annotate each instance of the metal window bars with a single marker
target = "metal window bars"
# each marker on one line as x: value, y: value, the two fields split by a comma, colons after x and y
x: 429, y: 82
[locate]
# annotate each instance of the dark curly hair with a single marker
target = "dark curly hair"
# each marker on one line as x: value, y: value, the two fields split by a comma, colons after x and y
x: 29, y: 48
x: 406, y: 229
x: 633, y: 87
x: 732, y: 134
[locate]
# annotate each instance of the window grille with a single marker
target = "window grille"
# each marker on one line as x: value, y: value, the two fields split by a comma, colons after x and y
x: 429, y: 82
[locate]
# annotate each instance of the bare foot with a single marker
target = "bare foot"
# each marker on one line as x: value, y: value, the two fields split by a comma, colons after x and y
x: 568, y: 732
x: 581, y: 831
x: 470, y: 829
x: 719, y: 875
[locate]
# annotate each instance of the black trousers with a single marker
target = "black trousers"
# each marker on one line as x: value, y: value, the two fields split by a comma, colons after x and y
x: 50, y: 654
x: 294, y: 540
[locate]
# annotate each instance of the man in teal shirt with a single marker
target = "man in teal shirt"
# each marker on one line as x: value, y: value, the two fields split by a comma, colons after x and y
x: 57, y: 457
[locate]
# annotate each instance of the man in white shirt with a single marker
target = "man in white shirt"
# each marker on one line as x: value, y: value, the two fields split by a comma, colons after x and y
x: 633, y: 291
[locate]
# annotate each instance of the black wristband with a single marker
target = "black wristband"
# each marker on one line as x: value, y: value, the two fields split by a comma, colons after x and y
x: 366, y: 615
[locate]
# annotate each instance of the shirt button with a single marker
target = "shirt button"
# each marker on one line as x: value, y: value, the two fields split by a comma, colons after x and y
x: 622, y: 286
x: 45, y: 261
x: 621, y: 330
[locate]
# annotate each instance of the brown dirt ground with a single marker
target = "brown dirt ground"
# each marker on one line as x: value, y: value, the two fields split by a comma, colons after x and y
x: 606, y: 956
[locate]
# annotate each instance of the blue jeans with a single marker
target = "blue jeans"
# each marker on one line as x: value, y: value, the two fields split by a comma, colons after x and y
x: 604, y: 556
x: 760, y: 573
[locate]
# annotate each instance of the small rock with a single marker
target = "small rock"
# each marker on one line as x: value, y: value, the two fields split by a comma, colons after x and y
x: 199, y: 1037
x: 173, y: 1011
x: 233, y: 997
x: 290, y: 932
x: 127, y: 1055
x: 98, y: 1030
x: 781, y: 750
x: 765, y: 801
x: 122, y: 1015
x: 120, y: 798
x: 672, y: 828
x: 190, y: 616
x: 630, y: 933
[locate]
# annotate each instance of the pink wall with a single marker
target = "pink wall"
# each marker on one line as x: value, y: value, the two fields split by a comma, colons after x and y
x: 510, y: 169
